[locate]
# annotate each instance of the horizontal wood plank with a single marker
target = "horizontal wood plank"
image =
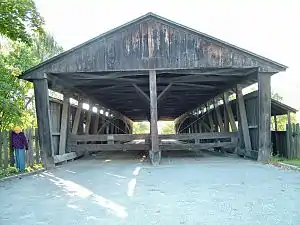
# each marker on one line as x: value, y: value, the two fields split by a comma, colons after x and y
x: 131, y: 137
x: 64, y: 157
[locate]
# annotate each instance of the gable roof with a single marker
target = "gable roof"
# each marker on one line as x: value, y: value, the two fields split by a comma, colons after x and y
x: 150, y: 15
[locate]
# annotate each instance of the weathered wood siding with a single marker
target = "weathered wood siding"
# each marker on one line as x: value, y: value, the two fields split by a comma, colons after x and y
x: 153, y: 43
x: 55, y: 115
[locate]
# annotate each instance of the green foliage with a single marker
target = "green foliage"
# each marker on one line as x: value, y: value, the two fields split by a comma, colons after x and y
x: 12, y: 90
x: 15, y: 58
x: 283, y: 119
x: 10, y: 171
x: 167, y: 127
x: 19, y: 19
x: 141, y: 127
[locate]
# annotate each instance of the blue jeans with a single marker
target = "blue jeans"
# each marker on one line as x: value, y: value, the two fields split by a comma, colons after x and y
x: 20, y: 159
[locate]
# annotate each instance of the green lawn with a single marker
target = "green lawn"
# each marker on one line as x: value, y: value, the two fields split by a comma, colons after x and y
x: 294, y: 162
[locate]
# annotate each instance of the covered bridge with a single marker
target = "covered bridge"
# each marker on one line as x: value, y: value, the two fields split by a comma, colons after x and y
x: 150, y: 69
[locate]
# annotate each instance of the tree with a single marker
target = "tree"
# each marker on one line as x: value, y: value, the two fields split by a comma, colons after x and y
x: 141, y: 127
x: 19, y: 19
x: 167, y: 127
x: 16, y: 57
x: 282, y: 120
x: 13, y: 90
x: 44, y: 46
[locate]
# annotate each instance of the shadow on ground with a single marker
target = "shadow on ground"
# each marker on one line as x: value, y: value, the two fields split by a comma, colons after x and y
x: 123, y: 188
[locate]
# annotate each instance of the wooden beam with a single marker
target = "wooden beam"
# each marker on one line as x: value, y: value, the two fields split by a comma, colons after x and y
x: 226, y: 122
x: 210, y: 120
x: 218, y: 115
x: 64, y: 124
x: 196, y: 85
x: 96, y: 124
x: 229, y: 113
x: 77, y: 118
x: 142, y: 93
x: 155, y: 153
x: 43, y: 118
x: 88, y: 120
x: 163, y: 93
x: 264, y: 104
x: 243, y: 120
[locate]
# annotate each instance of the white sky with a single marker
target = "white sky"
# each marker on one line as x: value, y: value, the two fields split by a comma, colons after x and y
x: 265, y: 27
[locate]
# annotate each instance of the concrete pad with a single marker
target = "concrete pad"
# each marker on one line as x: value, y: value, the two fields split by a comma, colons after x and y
x: 125, y: 189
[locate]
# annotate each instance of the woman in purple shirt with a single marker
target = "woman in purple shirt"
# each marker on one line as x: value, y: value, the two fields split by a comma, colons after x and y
x: 19, y: 143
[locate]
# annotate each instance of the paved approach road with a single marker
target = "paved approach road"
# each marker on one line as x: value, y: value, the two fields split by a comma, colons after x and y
x: 182, y: 190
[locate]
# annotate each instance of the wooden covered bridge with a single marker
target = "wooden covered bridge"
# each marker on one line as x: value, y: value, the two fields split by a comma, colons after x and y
x: 151, y: 69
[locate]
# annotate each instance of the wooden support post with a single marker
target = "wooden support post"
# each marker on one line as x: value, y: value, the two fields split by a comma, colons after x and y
x: 88, y: 120
x: 289, y: 136
x: 96, y: 124
x: 155, y: 154
x: 244, y: 121
x: 229, y: 113
x: 226, y: 121
x: 77, y: 118
x: 276, y: 138
x: 211, y: 123
x: 64, y: 124
x: 218, y: 115
x: 43, y: 118
x: 264, y: 127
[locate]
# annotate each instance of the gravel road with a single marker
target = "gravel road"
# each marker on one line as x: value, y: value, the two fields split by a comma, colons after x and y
x: 126, y: 190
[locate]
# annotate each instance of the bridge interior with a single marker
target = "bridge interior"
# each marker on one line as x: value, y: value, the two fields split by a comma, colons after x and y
x: 151, y: 69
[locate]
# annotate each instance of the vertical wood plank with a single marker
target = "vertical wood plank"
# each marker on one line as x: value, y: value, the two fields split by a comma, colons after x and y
x: 5, y: 149
x: 298, y: 140
x: 226, y: 120
x: 210, y: 120
x: 288, y: 144
x: 1, y: 149
x: 88, y: 121
x: 294, y: 141
x: 64, y: 124
x: 96, y: 124
x: 289, y: 136
x: 218, y: 115
x: 264, y: 104
x: 155, y: 154
x: 43, y: 117
x: 77, y: 118
x: 229, y: 113
x: 243, y: 120
x: 30, y: 149
x: 37, y: 148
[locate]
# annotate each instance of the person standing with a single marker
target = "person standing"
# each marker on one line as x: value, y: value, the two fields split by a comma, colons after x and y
x: 19, y: 144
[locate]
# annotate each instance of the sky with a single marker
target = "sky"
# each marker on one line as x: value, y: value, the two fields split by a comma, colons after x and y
x: 268, y: 28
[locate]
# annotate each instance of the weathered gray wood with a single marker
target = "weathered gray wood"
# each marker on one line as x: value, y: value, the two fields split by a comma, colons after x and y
x: 5, y: 149
x: 164, y: 92
x: 88, y: 122
x: 297, y: 140
x: 131, y: 137
x: 65, y: 157
x: 155, y: 153
x: 142, y: 93
x: 210, y: 120
x: 264, y: 102
x: 43, y: 118
x: 288, y: 141
x: 1, y: 148
x: 96, y: 124
x: 30, y: 147
x: 229, y: 113
x: 111, y: 147
x: 64, y: 125
x: 77, y: 118
x: 198, y: 146
x: 243, y: 119
x: 219, y: 117
x: 37, y: 148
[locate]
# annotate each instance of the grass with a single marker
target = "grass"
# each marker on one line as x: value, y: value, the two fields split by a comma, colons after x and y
x: 10, y: 171
x: 294, y: 162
